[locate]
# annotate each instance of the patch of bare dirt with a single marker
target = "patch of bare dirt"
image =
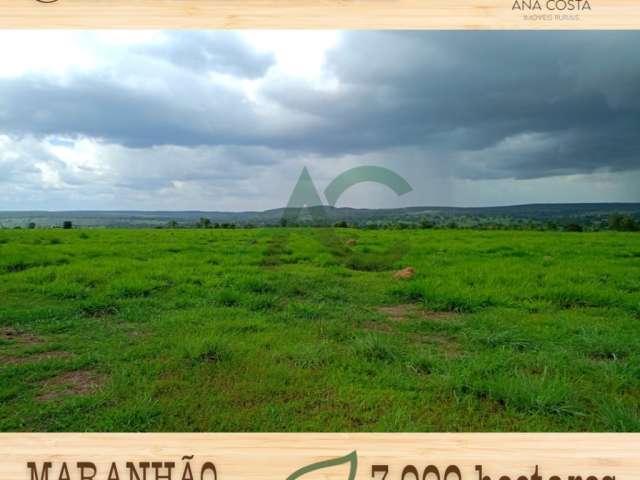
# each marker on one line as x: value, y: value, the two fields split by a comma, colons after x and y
x: 402, y: 312
x: 79, y: 382
x: 23, y: 338
x: 36, y: 357
x: 398, y: 312
x: 405, y: 273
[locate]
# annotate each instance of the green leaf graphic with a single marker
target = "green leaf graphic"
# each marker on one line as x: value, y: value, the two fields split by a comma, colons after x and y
x: 352, y: 459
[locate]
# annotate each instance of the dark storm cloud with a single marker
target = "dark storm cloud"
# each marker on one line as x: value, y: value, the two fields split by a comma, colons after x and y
x: 468, y: 93
x: 137, y: 117
x: 489, y: 104
x: 203, y: 51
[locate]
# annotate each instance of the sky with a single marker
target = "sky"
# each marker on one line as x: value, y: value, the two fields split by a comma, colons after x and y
x: 227, y: 120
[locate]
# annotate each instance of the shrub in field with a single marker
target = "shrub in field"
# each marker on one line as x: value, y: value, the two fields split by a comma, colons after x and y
x: 374, y: 347
x: 209, y: 350
x: 228, y: 298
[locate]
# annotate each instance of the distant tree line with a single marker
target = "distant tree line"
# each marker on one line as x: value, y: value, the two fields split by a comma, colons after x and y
x: 204, y: 223
x: 67, y: 225
x: 613, y: 222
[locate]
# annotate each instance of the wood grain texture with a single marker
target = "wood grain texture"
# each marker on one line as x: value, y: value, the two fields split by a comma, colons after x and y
x: 371, y: 14
x: 276, y: 456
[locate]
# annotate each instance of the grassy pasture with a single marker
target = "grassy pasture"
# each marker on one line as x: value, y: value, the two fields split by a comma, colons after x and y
x: 273, y: 330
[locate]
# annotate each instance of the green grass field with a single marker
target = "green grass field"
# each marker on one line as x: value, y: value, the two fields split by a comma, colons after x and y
x: 271, y: 330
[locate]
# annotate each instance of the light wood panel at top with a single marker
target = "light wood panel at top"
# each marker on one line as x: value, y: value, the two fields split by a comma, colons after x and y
x: 335, y: 14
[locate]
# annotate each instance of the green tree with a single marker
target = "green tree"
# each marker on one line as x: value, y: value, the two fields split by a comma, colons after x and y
x: 203, y: 223
x: 425, y: 223
x: 622, y: 223
x: 573, y: 227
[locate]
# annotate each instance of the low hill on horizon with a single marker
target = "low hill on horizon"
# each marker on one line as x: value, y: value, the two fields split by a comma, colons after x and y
x: 560, y: 213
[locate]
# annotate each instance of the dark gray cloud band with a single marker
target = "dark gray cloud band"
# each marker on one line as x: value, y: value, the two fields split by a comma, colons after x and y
x: 488, y: 104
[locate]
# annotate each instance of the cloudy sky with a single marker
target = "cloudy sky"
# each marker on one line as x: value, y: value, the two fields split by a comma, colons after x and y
x: 227, y: 120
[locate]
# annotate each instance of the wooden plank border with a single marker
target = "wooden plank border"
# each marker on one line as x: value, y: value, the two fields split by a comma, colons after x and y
x: 338, y: 14
x: 280, y: 456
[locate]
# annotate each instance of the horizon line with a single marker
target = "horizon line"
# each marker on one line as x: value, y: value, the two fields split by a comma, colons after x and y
x: 315, y: 206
